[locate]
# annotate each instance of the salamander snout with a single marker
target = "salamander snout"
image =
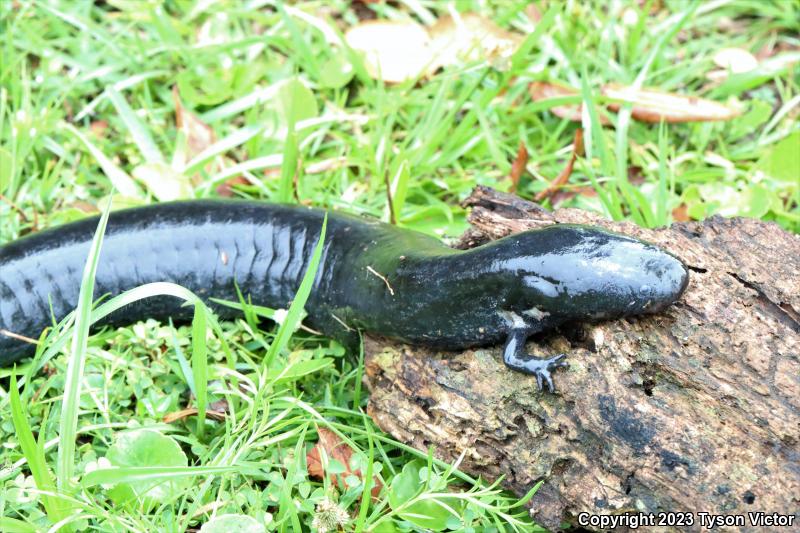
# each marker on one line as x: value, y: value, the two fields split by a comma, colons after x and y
x: 664, y: 278
x: 586, y: 273
x: 625, y: 277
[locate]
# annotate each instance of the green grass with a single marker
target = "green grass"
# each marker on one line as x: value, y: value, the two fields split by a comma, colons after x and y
x: 86, y: 107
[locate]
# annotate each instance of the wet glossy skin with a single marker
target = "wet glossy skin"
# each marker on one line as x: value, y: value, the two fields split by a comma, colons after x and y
x: 375, y: 277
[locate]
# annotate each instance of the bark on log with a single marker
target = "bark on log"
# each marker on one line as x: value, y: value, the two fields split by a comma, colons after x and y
x: 694, y: 410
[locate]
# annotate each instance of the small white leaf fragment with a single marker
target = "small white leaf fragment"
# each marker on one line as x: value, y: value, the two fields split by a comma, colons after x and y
x: 280, y: 316
x: 227, y: 523
x: 394, y: 51
x: 163, y: 181
x: 397, y: 51
x: 735, y: 59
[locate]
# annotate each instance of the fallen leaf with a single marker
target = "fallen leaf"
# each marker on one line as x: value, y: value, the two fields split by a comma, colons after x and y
x: 562, y: 195
x: 198, y: 134
x: 518, y: 167
x: 84, y: 206
x: 650, y: 105
x: 272, y: 173
x: 98, y: 127
x: 334, y: 448
x: 397, y: 51
x: 362, y: 10
x: 471, y: 37
x: 563, y: 177
x: 732, y: 61
x: 216, y: 411
x: 681, y: 214
x: 772, y: 48
x: 394, y: 51
x: 163, y: 181
x: 226, y: 188
x: 737, y: 60
x: 169, y: 418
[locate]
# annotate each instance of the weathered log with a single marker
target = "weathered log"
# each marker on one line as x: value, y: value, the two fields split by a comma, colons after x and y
x: 695, y: 410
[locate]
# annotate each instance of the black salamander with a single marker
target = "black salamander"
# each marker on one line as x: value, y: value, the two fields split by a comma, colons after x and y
x: 375, y: 277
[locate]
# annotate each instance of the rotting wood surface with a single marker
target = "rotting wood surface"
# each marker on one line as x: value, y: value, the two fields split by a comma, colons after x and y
x: 693, y: 410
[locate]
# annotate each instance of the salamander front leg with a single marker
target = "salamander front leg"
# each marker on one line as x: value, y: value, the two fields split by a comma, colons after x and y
x: 516, y: 358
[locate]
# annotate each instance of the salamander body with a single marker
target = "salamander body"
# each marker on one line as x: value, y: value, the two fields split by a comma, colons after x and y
x: 373, y: 277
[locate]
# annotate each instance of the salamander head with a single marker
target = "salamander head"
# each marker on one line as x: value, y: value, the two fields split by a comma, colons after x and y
x: 574, y: 272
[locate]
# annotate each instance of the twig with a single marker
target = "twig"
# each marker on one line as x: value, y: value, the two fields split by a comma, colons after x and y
x: 563, y: 177
x: 17, y: 336
x: 17, y: 208
x: 386, y: 281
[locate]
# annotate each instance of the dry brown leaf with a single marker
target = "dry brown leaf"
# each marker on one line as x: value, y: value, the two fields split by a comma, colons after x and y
x: 562, y: 195
x: 169, y: 418
x: 650, y: 105
x: 518, y: 167
x: 471, y: 37
x: 84, y: 206
x: 199, y: 135
x: 226, y: 187
x: 681, y: 214
x: 216, y: 411
x: 563, y: 177
x: 334, y: 448
x: 394, y: 51
x: 772, y: 48
x: 98, y: 127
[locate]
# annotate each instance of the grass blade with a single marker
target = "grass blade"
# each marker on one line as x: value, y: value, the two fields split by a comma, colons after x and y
x: 366, y: 495
x: 137, y: 129
x: 200, y: 364
x: 121, y: 181
x: 11, y: 525
x: 127, y: 83
x: 157, y: 474
x: 182, y: 362
x: 258, y: 97
x: 287, y: 506
x: 72, y: 387
x: 593, y: 139
x: 34, y: 454
x: 288, y: 165
x: 662, y: 197
x: 233, y: 140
